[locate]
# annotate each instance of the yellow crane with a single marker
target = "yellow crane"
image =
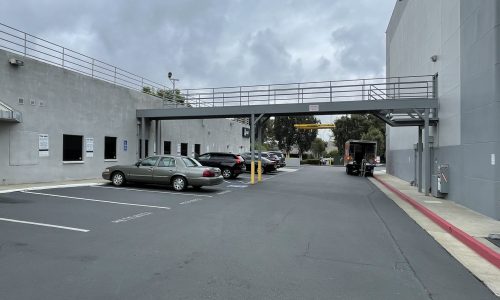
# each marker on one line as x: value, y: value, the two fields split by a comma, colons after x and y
x: 314, y: 126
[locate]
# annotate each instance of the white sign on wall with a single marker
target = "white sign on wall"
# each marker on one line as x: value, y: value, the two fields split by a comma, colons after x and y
x: 313, y: 107
x: 43, y: 145
x: 492, y: 159
x: 89, y: 147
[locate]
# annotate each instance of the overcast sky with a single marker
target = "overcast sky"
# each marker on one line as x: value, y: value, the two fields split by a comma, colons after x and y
x: 210, y: 43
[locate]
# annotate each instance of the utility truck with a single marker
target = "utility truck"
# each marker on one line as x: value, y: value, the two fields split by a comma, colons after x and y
x: 359, y: 157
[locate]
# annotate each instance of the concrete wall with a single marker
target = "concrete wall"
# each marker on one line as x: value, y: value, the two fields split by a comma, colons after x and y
x: 65, y: 102
x: 465, y: 37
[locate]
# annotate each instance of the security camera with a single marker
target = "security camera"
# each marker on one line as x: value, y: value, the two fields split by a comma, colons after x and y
x: 16, y: 62
x: 169, y: 75
x: 434, y: 58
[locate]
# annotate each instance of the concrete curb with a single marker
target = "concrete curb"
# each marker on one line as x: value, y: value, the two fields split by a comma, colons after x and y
x: 478, y: 247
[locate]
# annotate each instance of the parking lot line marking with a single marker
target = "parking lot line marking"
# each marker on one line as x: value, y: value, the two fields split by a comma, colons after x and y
x: 276, y: 175
x: 157, y: 192
x: 223, y: 192
x: 190, y: 201
x: 237, y: 186
x: 96, y: 200
x: 44, y: 225
x: 137, y: 216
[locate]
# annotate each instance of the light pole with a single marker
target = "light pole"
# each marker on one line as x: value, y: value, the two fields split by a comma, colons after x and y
x: 173, y: 80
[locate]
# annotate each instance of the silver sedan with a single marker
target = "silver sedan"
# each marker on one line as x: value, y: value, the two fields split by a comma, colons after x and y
x: 177, y: 171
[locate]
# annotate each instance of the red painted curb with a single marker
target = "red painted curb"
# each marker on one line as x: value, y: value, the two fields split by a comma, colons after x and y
x: 481, y: 249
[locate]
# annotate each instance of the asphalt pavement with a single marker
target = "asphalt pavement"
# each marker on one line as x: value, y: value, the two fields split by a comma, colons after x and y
x: 316, y: 233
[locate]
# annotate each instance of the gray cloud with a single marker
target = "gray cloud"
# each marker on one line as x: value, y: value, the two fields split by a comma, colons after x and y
x: 218, y: 42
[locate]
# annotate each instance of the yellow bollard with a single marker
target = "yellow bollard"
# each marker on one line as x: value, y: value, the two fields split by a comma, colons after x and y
x: 252, y: 172
x: 259, y: 171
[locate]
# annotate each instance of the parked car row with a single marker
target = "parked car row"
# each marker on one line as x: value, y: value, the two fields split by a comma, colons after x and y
x: 180, y: 171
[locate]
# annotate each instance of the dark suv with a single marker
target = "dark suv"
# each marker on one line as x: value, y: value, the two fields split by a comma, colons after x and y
x: 281, y: 157
x: 230, y: 164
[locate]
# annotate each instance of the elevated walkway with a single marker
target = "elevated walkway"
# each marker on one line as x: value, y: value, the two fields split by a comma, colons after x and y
x: 7, y: 114
x: 398, y: 101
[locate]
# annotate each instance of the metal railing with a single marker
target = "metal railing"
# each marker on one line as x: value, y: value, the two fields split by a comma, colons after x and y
x: 371, y: 89
x: 28, y: 45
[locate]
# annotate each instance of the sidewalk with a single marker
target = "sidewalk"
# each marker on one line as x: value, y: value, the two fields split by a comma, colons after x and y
x: 50, y: 185
x: 461, y: 231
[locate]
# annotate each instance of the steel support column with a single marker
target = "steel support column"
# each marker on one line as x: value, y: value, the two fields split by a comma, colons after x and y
x: 259, y: 163
x: 157, y: 137
x: 160, y: 145
x: 427, y: 154
x: 419, y: 149
x: 143, y: 138
x: 252, y: 148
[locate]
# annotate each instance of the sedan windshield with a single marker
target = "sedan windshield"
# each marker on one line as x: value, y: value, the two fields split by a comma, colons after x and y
x: 189, y: 162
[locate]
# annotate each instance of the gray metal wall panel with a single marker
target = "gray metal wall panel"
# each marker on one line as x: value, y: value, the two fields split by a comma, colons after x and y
x: 480, y: 106
x: 400, y: 163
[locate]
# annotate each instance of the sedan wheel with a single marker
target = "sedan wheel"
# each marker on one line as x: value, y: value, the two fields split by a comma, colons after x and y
x: 179, y: 183
x: 226, y: 173
x: 118, y: 179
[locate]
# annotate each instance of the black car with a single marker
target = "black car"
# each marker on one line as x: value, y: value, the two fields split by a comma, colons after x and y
x: 267, y: 165
x: 281, y: 157
x: 231, y: 165
x: 272, y: 157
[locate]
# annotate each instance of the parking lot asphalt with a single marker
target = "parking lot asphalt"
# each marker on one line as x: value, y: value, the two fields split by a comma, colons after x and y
x: 314, y: 233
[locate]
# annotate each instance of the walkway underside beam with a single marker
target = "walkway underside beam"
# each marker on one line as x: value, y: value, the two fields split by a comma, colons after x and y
x: 403, y: 106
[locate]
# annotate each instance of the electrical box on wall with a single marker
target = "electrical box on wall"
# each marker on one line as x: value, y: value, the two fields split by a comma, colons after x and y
x: 441, y: 181
x: 443, y: 185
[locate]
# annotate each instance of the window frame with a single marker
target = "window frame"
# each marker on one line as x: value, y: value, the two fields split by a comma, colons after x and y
x: 66, y: 159
x: 115, y: 148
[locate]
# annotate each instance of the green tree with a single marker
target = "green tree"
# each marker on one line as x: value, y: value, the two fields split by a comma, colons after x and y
x: 268, y: 137
x: 305, y: 138
x: 168, y: 95
x: 285, y: 133
x: 318, y: 147
x: 353, y: 127
x: 374, y: 134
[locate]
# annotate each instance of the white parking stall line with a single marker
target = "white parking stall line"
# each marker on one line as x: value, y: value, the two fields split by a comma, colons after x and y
x: 45, y: 225
x: 191, y: 201
x: 50, y: 187
x: 156, y: 192
x: 137, y: 216
x: 280, y: 174
x: 95, y: 200
x: 237, y: 186
x: 223, y: 192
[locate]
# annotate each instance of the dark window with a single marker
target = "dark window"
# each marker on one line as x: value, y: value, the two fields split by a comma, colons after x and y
x: 167, y: 147
x: 184, y: 149
x: 197, y: 148
x: 109, y: 147
x: 72, y: 147
x: 140, y: 148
